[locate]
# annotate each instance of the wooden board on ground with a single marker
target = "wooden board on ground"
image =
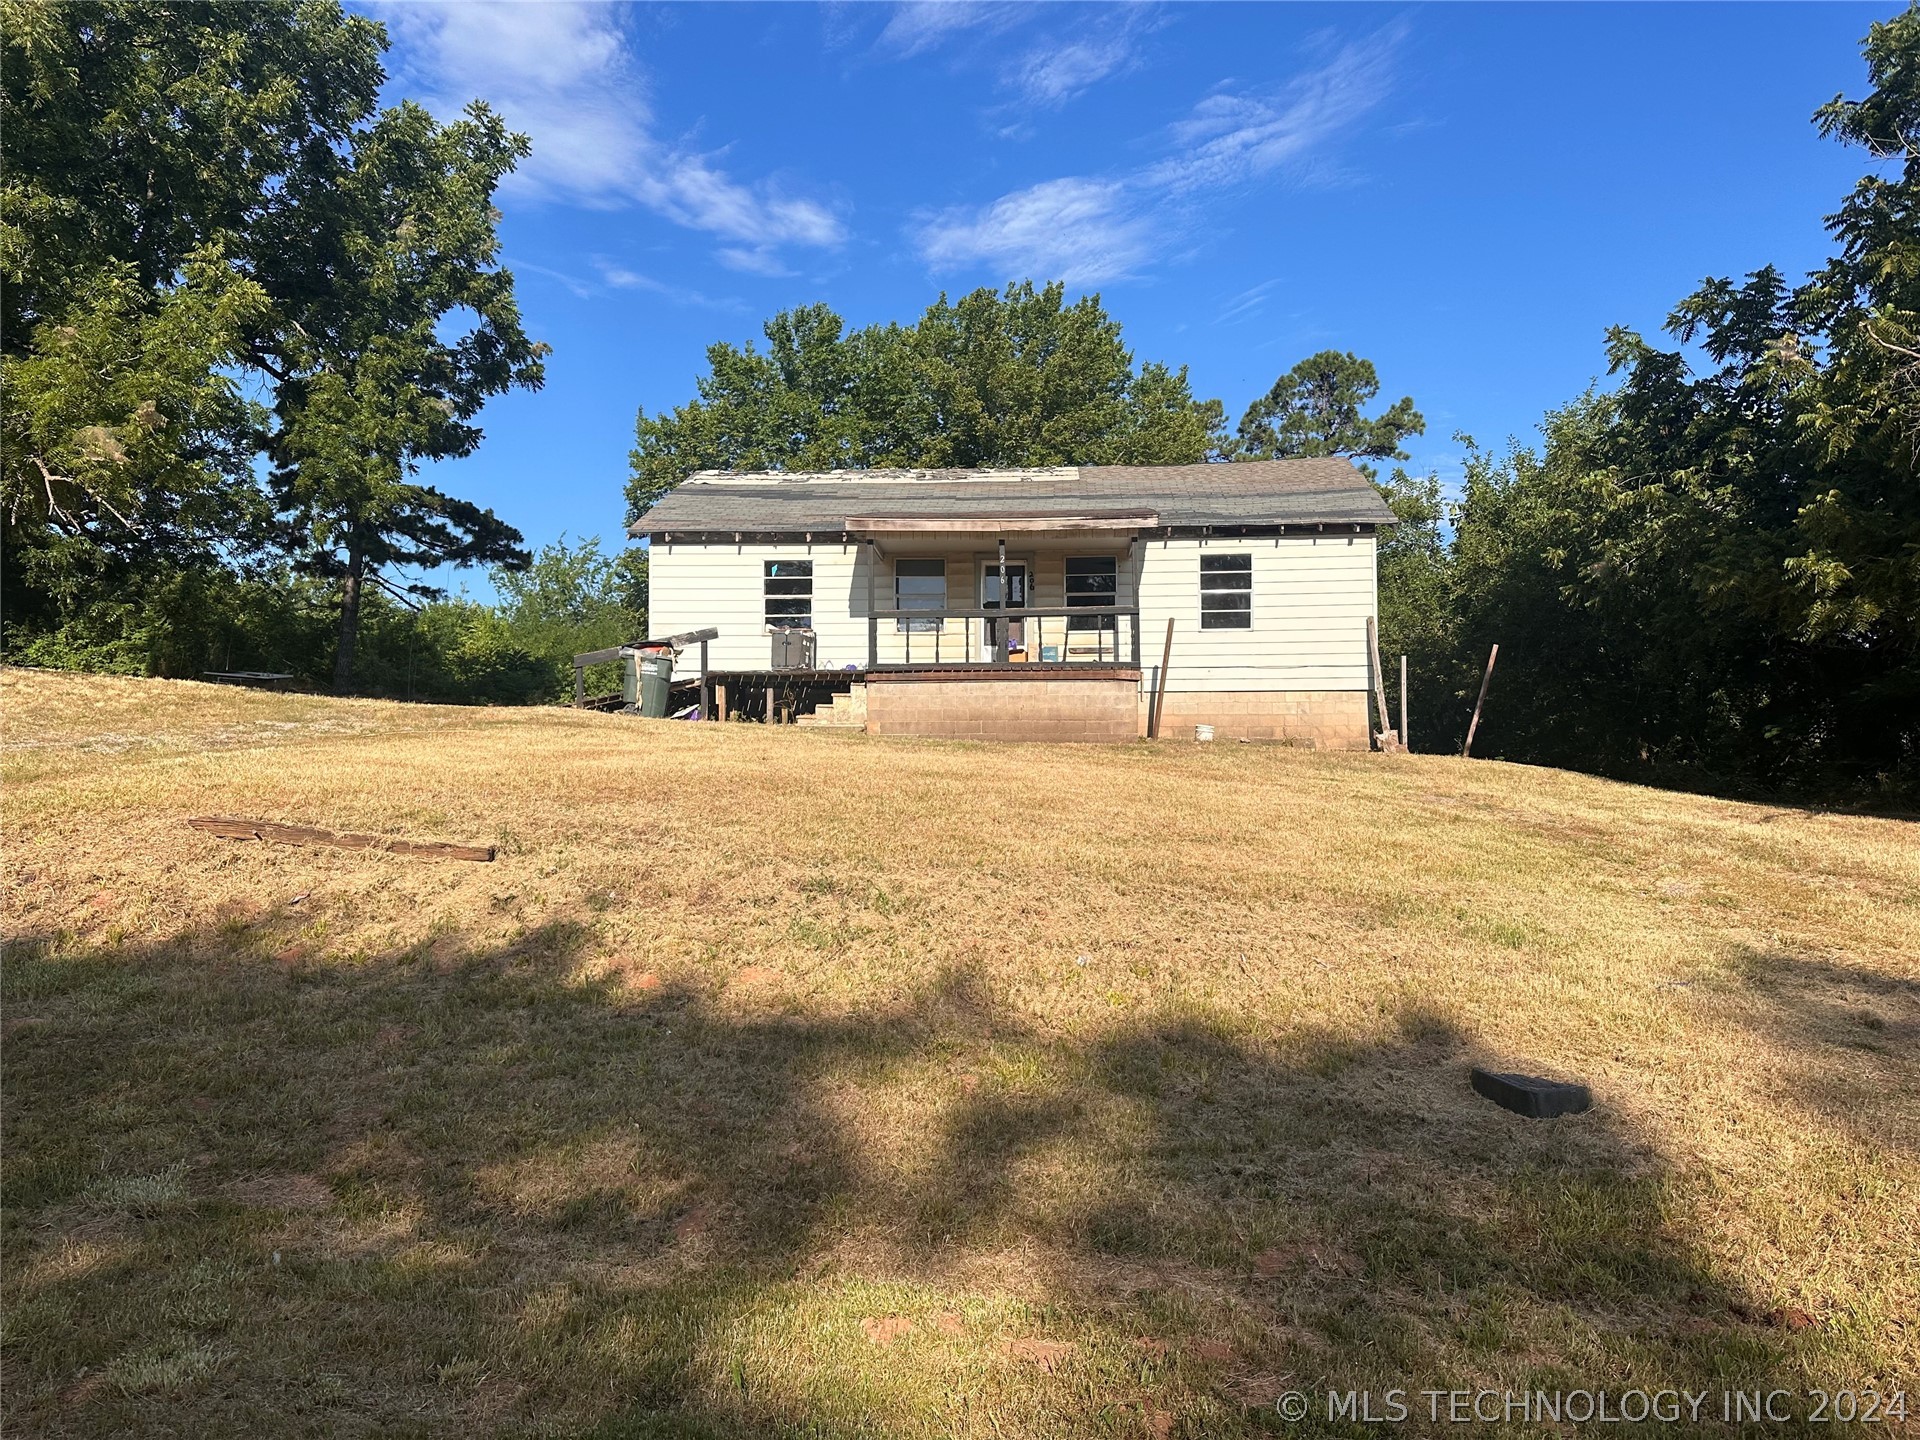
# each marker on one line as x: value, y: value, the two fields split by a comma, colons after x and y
x: 307, y: 835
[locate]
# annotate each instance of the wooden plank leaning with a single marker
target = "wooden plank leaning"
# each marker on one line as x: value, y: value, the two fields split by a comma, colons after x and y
x: 1466, y: 750
x: 1160, y: 690
x: 1389, y: 737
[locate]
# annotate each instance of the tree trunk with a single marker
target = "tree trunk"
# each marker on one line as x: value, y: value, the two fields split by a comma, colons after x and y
x: 349, y: 621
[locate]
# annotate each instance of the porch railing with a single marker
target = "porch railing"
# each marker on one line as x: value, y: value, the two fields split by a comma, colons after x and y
x: 993, y: 639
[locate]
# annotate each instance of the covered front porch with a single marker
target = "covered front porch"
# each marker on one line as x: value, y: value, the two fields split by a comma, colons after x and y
x: 1053, y: 591
x: 994, y: 626
x: 1027, y: 628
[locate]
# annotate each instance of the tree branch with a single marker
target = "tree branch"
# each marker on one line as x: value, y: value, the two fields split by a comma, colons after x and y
x: 1886, y: 344
x: 54, y: 507
x: 260, y: 360
x: 47, y: 477
x: 378, y: 579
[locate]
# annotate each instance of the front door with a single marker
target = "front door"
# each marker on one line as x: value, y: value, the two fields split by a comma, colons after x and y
x: 996, y: 645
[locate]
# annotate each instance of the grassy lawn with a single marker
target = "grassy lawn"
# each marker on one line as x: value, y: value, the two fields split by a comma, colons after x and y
x: 784, y: 1083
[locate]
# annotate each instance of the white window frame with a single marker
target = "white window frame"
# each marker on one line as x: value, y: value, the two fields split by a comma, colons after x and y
x: 1227, y: 617
x: 768, y: 596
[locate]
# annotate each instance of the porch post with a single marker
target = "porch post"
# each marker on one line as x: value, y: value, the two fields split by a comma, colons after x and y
x: 873, y: 604
x: 1003, y: 628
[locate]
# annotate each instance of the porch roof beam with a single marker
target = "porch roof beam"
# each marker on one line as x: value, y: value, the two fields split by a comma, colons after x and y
x: 1017, y: 612
x: 995, y: 524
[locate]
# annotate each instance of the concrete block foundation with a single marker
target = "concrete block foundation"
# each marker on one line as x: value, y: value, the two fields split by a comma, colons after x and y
x: 1319, y: 719
x: 1106, y: 706
x: 1100, y: 706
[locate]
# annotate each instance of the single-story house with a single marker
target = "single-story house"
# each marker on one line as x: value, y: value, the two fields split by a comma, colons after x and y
x: 1030, y: 604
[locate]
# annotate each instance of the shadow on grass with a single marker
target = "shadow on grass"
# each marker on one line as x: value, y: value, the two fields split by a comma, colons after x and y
x: 1854, y: 1033
x: 251, y: 1191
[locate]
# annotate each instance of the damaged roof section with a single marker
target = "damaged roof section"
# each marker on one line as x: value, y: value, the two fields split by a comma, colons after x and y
x: 1248, y: 492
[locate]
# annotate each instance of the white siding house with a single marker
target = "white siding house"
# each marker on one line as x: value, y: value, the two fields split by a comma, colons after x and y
x: 885, y: 586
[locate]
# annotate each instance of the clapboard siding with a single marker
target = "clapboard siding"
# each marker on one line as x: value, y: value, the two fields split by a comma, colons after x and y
x: 691, y: 587
x: 1311, y: 599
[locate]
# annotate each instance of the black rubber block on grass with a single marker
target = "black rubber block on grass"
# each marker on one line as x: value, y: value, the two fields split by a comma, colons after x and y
x: 1531, y: 1096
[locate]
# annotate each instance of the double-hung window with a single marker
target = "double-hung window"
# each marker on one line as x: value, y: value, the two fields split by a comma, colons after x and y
x: 1226, y: 592
x: 789, y: 594
x: 1092, y: 580
x: 919, y: 583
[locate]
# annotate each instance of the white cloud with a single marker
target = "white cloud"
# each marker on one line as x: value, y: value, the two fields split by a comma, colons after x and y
x: 1235, y: 138
x: 615, y: 276
x: 1086, y: 229
x: 561, y: 72
x: 620, y: 277
x: 1058, y: 69
x: 1087, y: 48
x: 918, y: 25
x: 1049, y: 76
x: 1247, y: 301
x: 1076, y: 230
x: 579, y: 288
x: 753, y: 262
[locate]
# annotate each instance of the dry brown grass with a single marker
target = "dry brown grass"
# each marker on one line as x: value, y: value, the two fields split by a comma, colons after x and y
x: 787, y: 1083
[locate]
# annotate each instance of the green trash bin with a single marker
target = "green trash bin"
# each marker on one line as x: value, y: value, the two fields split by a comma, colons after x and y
x: 656, y: 675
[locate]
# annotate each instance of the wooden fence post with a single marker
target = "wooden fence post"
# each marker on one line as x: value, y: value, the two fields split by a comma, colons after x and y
x: 1160, y: 690
x: 1474, y: 724
x: 1407, y: 744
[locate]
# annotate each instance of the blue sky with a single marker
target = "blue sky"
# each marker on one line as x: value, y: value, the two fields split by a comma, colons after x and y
x: 1467, y: 195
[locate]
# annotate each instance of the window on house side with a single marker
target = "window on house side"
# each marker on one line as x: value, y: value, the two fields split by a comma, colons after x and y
x: 1092, y: 580
x: 919, y: 583
x: 789, y: 594
x: 1226, y: 592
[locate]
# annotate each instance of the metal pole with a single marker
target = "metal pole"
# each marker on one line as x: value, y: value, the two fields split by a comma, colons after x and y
x: 1403, y: 701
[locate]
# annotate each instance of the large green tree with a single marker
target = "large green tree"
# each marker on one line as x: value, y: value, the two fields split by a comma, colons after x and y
x: 1716, y: 571
x: 214, y: 248
x: 1856, y: 566
x: 144, y: 145
x: 1018, y: 377
x: 399, y: 234
x: 1317, y: 408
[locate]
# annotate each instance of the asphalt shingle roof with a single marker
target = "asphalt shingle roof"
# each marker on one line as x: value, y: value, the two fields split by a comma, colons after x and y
x: 1247, y: 492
